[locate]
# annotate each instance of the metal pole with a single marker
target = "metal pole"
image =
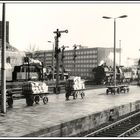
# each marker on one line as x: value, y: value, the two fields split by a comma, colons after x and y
x: 120, y: 53
x: 57, y: 64
x: 74, y: 67
x: 63, y: 48
x: 74, y: 59
x: 28, y: 69
x: 3, y: 61
x: 53, y: 63
x: 114, y: 52
x: 58, y: 34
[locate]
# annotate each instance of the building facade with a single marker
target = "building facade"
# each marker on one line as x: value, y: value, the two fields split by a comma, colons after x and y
x: 86, y: 59
x: 13, y: 58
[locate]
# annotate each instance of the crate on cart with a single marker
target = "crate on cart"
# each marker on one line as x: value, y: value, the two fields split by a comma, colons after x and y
x: 33, y: 91
x: 74, y: 86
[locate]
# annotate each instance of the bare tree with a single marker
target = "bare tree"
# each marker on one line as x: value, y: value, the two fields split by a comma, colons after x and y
x: 32, y: 49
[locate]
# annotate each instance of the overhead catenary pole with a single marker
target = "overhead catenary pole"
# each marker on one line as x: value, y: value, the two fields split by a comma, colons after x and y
x: 3, y: 61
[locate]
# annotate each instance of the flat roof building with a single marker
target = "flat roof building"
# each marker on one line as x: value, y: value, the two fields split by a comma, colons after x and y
x: 86, y: 59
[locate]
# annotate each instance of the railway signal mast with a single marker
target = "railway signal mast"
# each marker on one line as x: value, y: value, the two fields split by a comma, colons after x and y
x: 57, y: 51
x: 75, y: 55
x: 62, y: 60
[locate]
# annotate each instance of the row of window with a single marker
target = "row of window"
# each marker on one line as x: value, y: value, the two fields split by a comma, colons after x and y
x: 49, y: 60
x: 82, y: 52
x: 84, y: 74
x: 81, y: 57
x: 81, y: 70
x: 81, y: 61
x: 46, y: 54
x: 69, y: 57
x: 81, y: 66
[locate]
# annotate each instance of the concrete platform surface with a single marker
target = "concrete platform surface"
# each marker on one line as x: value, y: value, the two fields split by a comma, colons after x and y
x: 37, y: 120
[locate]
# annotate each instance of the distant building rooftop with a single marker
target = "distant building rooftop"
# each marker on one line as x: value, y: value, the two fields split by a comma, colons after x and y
x: 8, y: 46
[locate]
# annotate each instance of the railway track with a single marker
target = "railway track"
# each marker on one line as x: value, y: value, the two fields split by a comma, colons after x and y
x: 121, y: 128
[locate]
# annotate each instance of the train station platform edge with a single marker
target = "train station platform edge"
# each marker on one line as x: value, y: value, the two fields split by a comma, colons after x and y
x: 60, y: 118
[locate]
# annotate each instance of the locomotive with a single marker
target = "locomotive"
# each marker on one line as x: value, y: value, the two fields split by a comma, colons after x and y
x: 104, y: 75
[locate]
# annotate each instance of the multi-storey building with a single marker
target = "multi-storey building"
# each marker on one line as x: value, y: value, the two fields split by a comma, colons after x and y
x: 86, y: 59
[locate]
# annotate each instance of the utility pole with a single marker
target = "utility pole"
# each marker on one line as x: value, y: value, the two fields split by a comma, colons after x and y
x: 57, y: 51
x: 62, y: 60
x: 120, y: 52
x: 3, y: 61
x: 74, y: 57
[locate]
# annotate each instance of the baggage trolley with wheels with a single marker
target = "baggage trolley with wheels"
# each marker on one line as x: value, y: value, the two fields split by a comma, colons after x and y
x: 74, y: 87
x: 34, y: 91
x: 35, y: 98
x: 124, y: 88
x: 113, y: 90
x: 117, y: 89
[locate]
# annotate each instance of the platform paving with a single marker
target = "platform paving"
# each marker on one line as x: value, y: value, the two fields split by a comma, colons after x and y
x: 22, y: 120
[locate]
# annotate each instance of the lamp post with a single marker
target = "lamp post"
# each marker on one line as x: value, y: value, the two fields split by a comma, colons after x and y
x: 52, y: 60
x: 120, y: 53
x: 114, y: 64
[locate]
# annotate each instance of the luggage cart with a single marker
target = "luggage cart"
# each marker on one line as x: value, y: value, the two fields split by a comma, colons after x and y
x: 112, y: 90
x: 31, y: 94
x: 71, y: 91
x: 124, y: 88
x: 117, y: 89
x: 31, y: 98
x: 75, y: 93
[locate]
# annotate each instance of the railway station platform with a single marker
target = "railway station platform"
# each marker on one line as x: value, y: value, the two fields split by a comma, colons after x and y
x: 61, y: 118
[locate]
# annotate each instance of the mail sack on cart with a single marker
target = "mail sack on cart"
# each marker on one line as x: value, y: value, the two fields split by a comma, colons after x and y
x: 76, y: 83
x: 32, y: 87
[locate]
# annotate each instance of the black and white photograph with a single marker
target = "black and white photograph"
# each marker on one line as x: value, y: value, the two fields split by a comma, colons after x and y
x: 69, y: 69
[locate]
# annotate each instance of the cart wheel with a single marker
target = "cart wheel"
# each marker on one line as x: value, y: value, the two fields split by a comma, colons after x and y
x: 128, y: 90
x: 107, y: 91
x: 118, y: 90
x: 45, y: 100
x: 75, y: 95
x: 82, y: 95
x: 10, y: 102
x: 37, y: 99
x: 29, y: 100
x: 124, y: 90
x: 113, y: 91
x: 67, y: 96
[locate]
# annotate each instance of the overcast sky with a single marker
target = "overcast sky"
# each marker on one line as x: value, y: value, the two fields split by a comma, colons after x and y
x: 34, y: 23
